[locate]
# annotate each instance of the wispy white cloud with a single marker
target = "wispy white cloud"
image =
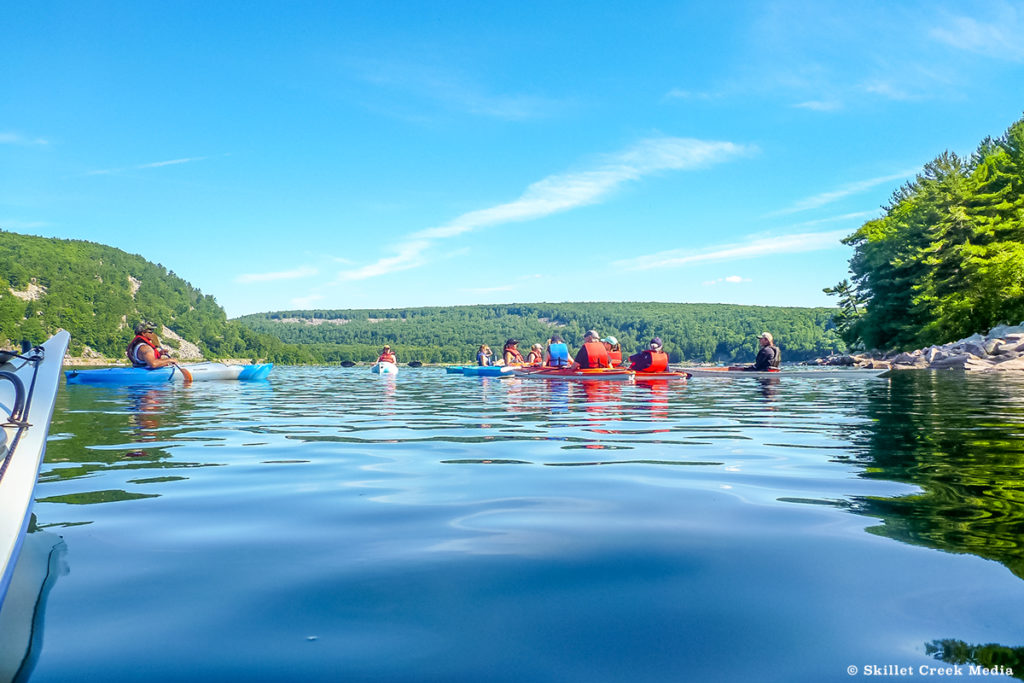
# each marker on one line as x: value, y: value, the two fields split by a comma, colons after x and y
x: 410, y: 255
x: 756, y: 248
x: 999, y: 38
x: 295, y: 274
x: 152, y: 164
x: 562, y: 192
x: 8, y: 138
x: 172, y: 162
x: 824, y: 198
x: 729, y: 279
x: 820, y: 105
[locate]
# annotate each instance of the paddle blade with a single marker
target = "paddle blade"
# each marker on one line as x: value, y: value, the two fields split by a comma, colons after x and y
x: 186, y: 374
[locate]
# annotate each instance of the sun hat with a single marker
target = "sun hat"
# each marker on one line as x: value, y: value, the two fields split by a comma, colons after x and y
x: 767, y: 335
x: 511, y: 342
x: 611, y: 340
x: 144, y: 327
x: 656, y: 343
x: 592, y: 333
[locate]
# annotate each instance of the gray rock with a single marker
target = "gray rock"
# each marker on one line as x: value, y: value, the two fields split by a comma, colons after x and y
x: 957, y: 361
x: 1009, y: 365
x: 975, y: 349
x: 1004, y: 330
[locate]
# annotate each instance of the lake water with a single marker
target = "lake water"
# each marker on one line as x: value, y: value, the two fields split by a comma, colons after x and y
x: 334, y: 525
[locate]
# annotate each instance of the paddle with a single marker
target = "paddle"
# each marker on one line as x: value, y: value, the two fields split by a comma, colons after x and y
x: 187, y: 374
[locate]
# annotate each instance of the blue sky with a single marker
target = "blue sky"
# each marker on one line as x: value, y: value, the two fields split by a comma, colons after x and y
x: 337, y: 155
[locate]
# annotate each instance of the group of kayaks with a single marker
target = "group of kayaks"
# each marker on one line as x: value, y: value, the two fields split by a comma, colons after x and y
x: 550, y: 373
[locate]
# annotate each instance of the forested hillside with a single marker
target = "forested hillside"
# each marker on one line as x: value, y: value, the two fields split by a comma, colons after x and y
x: 97, y: 293
x: 695, y: 332
x: 947, y: 258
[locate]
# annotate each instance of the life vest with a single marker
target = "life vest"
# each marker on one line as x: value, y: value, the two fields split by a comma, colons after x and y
x: 650, y: 361
x: 133, y: 351
x: 595, y: 356
x: 558, y: 355
x: 616, y: 357
x: 534, y: 358
x: 777, y: 360
x: 516, y: 357
x: 386, y: 357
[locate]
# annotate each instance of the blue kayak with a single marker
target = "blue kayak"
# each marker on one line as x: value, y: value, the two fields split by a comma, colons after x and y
x: 486, y: 370
x: 196, y: 372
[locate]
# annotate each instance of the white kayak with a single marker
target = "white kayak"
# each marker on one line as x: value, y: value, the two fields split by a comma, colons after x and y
x: 28, y: 389
x: 384, y: 368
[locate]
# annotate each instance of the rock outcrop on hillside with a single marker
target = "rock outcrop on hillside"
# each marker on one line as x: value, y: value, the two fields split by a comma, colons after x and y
x: 1001, y: 350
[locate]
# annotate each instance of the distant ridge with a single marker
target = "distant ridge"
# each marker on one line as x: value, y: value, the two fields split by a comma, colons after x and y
x: 452, y: 334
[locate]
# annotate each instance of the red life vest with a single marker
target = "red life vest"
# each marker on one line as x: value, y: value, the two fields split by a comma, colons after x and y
x: 133, y: 351
x: 386, y: 357
x: 656, y: 361
x: 616, y: 357
x: 594, y: 355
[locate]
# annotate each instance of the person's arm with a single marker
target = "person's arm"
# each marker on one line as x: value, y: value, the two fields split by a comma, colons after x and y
x: 147, y: 354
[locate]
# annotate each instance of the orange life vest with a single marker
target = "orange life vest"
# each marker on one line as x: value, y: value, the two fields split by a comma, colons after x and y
x: 386, y: 357
x: 517, y: 358
x: 595, y: 355
x: 616, y: 357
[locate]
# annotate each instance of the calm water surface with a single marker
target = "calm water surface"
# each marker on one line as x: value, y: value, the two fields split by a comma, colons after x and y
x: 333, y: 525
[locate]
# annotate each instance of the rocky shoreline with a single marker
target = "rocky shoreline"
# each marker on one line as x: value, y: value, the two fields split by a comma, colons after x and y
x: 1001, y: 350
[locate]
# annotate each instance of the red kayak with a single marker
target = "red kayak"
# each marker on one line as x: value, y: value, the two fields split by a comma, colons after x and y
x: 640, y: 375
x: 589, y: 374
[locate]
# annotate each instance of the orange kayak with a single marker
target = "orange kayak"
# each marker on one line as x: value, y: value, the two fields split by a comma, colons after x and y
x: 640, y: 376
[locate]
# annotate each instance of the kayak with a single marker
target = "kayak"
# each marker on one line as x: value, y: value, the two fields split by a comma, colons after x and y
x: 384, y: 368
x: 28, y: 389
x: 487, y: 370
x: 589, y: 374
x: 813, y: 372
x: 640, y: 375
x: 41, y: 562
x: 194, y: 372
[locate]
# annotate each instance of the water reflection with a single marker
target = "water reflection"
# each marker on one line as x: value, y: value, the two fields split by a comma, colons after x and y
x: 996, y: 658
x: 959, y: 439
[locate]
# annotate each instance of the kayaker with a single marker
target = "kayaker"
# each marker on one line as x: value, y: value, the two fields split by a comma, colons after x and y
x: 483, y: 356
x: 592, y: 354
x: 144, y: 351
x: 556, y: 355
x: 536, y: 355
x: 651, y: 359
x: 387, y: 356
x: 768, y: 356
x: 511, y: 354
x: 611, y: 344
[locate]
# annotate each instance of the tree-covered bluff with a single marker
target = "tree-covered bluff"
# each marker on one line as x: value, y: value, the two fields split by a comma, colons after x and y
x: 452, y: 334
x: 947, y: 258
x: 97, y: 293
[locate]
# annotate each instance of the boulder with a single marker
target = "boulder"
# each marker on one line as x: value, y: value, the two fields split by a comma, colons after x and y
x: 1009, y: 348
x: 1009, y: 365
x: 975, y: 348
x: 1004, y: 330
x: 956, y: 361
x: 906, y: 358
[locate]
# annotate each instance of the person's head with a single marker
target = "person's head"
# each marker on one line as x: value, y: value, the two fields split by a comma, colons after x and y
x: 386, y: 348
x: 612, y: 342
x: 484, y: 348
x: 537, y: 348
x: 655, y: 344
x: 556, y: 339
x: 766, y: 339
x: 592, y: 336
x: 511, y: 343
x: 145, y: 329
